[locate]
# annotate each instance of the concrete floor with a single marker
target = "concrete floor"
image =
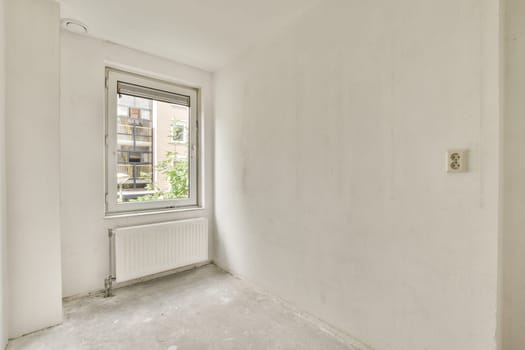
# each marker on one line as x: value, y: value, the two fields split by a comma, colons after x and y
x: 203, y: 308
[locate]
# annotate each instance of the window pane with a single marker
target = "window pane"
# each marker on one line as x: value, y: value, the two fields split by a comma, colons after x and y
x: 127, y: 101
x: 143, y: 103
x: 146, y: 114
x: 123, y: 111
x: 152, y: 150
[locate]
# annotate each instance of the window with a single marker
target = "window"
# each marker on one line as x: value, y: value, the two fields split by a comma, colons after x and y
x: 151, y: 143
x: 179, y: 132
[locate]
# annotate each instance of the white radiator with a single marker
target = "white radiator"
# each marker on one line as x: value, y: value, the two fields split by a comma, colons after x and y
x: 148, y: 249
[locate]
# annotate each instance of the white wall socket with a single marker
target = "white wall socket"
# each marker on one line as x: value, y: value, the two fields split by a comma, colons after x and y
x: 457, y: 160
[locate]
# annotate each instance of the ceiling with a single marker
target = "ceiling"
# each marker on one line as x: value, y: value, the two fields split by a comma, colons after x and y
x: 202, y: 33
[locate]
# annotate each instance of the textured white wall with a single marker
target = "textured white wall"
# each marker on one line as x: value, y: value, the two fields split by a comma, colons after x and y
x: 514, y: 170
x: 3, y: 226
x: 330, y: 184
x: 85, y: 260
x: 32, y: 147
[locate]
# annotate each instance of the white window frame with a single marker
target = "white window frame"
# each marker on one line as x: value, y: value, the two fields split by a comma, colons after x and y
x: 113, y: 76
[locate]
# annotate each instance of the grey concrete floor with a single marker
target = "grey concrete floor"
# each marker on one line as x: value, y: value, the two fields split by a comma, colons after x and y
x: 203, y: 308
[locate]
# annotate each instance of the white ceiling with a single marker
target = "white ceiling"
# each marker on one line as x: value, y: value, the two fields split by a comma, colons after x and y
x: 201, y: 33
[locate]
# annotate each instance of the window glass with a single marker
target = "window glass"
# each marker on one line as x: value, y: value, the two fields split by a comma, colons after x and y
x: 152, y: 162
x: 151, y: 144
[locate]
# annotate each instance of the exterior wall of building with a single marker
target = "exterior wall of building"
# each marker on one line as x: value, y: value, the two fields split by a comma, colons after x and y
x: 167, y: 117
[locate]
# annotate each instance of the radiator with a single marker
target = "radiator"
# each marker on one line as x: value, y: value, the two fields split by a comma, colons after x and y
x: 144, y: 250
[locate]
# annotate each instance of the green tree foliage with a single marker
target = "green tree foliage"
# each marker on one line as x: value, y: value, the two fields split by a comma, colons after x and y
x: 176, y: 172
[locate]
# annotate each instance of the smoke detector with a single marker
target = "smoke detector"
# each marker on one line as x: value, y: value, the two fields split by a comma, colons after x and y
x: 74, y: 26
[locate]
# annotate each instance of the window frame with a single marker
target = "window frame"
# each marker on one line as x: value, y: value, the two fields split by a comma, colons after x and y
x: 113, y: 76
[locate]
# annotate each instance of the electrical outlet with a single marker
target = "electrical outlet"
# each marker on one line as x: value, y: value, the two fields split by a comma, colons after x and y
x: 457, y: 161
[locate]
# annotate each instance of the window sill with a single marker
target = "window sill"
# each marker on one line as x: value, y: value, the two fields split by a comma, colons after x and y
x: 128, y: 214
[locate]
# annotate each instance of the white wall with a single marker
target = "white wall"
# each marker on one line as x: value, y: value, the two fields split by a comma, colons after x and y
x: 514, y: 170
x: 32, y: 147
x: 85, y: 261
x: 3, y: 231
x: 330, y: 182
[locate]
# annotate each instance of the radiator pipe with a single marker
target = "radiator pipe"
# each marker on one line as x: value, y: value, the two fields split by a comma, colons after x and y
x: 108, y: 281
